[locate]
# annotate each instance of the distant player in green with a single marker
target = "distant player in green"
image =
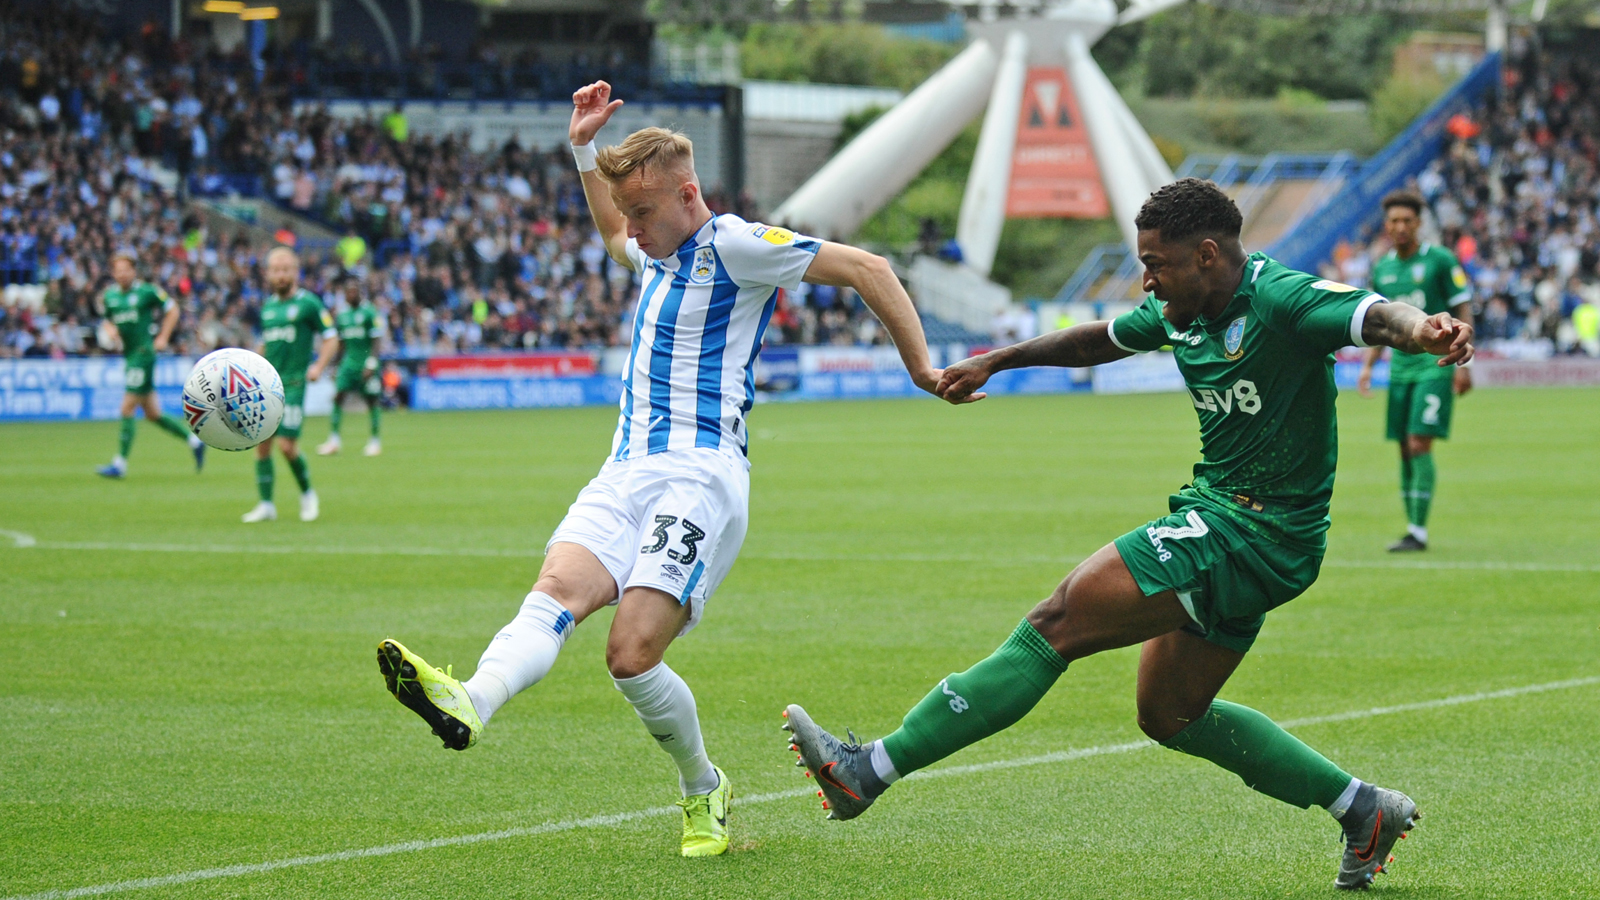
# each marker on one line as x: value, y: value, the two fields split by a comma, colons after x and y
x: 291, y: 321
x: 1421, y: 395
x: 1254, y: 342
x: 133, y: 307
x: 360, y: 327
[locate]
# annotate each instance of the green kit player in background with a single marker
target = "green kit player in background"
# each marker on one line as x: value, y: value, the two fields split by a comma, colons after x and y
x: 360, y: 327
x: 132, y: 306
x: 1254, y: 341
x: 291, y: 321
x: 1421, y: 395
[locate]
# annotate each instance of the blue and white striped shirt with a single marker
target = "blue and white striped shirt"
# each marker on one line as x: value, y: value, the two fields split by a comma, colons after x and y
x: 696, y: 333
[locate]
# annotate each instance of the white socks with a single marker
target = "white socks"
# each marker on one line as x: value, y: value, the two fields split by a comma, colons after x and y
x: 1418, y: 532
x: 194, y: 441
x: 1342, y: 805
x: 882, y: 764
x: 521, y: 654
x: 666, y: 706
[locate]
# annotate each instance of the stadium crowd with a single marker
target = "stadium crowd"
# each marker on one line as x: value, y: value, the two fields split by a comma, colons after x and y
x: 1516, y: 196
x: 462, y: 251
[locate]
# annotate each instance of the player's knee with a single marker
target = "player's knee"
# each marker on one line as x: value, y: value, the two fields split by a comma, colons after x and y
x: 629, y: 659
x: 1160, y: 721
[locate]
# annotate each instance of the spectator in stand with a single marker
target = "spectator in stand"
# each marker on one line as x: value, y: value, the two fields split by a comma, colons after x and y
x: 1516, y: 196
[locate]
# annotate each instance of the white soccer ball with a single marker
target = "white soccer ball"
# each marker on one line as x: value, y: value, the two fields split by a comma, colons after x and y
x: 233, y: 400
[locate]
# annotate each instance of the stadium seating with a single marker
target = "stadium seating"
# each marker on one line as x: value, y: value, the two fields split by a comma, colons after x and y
x: 103, y: 138
x: 1516, y: 196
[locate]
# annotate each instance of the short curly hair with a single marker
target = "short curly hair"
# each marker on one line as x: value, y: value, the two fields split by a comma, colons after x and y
x: 1187, y: 208
x: 1409, y: 199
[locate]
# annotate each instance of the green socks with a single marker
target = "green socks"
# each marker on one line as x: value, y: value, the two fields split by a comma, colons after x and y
x: 336, y: 418
x: 1419, y: 495
x: 264, y: 478
x: 1266, y: 757
x: 302, y: 476
x: 372, y: 417
x: 125, y: 438
x: 172, y: 426
x: 989, y: 697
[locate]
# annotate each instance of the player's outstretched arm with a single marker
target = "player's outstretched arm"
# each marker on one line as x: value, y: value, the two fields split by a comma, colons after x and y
x: 592, y: 107
x: 1089, y: 344
x: 844, y: 266
x: 325, y: 356
x: 1407, y: 328
x: 169, y: 324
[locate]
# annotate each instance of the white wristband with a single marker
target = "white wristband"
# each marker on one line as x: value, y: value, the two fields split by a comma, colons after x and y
x: 585, y: 156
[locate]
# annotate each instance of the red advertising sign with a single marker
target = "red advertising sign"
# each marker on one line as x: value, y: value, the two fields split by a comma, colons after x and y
x: 512, y: 365
x: 1053, y: 170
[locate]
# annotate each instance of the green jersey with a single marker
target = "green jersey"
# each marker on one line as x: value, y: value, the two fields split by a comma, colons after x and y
x: 1431, y: 280
x: 289, y: 329
x: 1260, y: 376
x: 136, y: 313
x: 359, y: 328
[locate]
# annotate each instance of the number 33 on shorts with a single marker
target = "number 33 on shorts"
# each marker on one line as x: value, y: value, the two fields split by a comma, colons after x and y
x: 690, y: 536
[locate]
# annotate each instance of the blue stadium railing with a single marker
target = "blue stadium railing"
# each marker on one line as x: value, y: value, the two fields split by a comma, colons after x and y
x: 1356, y: 204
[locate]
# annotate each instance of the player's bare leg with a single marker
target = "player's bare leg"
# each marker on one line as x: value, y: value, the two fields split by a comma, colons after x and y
x: 374, y: 416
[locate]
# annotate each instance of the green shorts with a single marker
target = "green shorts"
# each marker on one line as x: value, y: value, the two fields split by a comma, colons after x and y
x: 139, y: 373
x: 1421, y: 407
x: 363, y: 380
x: 294, y: 410
x: 1226, y: 576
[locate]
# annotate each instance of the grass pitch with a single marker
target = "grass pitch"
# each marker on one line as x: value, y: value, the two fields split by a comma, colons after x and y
x: 186, y: 694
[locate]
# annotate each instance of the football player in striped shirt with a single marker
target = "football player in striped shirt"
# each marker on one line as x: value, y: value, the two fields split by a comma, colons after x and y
x: 658, y: 529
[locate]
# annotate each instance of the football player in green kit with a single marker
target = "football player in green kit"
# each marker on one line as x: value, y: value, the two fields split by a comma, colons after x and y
x: 1421, y: 395
x: 291, y: 320
x: 1254, y: 341
x: 360, y: 326
x: 132, y: 306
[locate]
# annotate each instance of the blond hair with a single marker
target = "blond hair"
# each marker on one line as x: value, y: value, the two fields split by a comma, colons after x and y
x: 659, y: 149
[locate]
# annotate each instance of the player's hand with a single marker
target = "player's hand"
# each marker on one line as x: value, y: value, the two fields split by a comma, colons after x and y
x: 1463, y: 381
x: 314, y: 372
x: 1364, y: 381
x: 592, y: 107
x: 927, y: 379
x: 160, y: 344
x: 1446, y: 336
x: 959, y: 383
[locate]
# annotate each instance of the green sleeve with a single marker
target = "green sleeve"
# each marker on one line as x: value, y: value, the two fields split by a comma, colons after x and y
x: 1453, y: 283
x: 1142, y: 330
x: 155, y: 297
x: 1325, y: 315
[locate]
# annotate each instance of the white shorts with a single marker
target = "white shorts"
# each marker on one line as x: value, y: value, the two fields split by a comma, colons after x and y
x: 671, y: 521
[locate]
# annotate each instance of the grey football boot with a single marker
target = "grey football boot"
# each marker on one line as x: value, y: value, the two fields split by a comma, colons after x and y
x: 1370, y: 835
x: 843, y: 770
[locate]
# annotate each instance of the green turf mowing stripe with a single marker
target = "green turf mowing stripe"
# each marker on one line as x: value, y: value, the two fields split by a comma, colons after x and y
x: 22, y: 540
x: 612, y: 819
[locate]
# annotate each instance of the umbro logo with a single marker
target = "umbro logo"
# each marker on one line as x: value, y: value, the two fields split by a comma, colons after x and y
x: 662, y: 738
x: 672, y: 570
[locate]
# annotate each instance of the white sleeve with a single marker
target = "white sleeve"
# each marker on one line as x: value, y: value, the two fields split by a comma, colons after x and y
x: 757, y: 254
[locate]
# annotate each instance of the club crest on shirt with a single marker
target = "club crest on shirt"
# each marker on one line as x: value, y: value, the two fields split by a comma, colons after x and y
x: 1418, y: 272
x: 704, y: 267
x: 1233, y: 339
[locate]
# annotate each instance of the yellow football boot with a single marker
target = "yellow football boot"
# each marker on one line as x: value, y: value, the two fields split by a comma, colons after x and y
x: 439, y: 699
x: 705, y: 819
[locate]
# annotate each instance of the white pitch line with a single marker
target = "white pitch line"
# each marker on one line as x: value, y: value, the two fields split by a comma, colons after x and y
x: 611, y: 819
x: 21, y: 540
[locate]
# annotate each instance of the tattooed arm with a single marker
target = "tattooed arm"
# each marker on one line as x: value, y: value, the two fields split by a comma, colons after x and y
x: 1081, y: 345
x: 1407, y: 328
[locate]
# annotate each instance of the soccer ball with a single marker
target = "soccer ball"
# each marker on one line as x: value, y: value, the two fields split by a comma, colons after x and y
x: 233, y: 400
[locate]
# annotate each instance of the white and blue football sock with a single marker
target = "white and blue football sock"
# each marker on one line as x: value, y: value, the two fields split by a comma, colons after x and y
x: 521, y: 654
x: 666, y: 706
